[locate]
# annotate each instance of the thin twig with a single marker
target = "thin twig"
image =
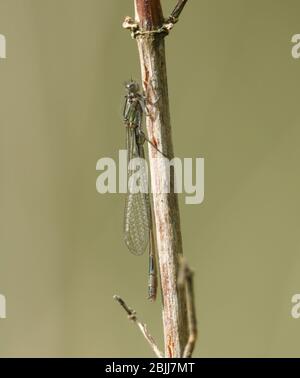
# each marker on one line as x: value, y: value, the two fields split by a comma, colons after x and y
x: 177, y: 11
x: 143, y: 328
x: 185, y: 279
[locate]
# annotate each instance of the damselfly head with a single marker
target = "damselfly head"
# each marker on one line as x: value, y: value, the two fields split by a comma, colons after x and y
x: 132, y: 86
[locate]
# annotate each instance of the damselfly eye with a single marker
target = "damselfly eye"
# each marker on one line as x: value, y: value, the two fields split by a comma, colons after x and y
x: 132, y: 87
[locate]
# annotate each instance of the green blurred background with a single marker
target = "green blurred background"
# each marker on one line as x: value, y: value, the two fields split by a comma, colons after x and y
x: 234, y: 92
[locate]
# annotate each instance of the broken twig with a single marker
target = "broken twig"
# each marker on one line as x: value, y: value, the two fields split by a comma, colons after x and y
x: 143, y: 328
x: 185, y: 280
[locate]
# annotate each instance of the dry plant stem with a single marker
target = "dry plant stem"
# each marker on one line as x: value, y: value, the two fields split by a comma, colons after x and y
x: 151, y: 47
x: 143, y: 328
x: 185, y: 280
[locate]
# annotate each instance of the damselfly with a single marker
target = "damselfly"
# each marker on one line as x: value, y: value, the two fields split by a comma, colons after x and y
x: 138, y: 227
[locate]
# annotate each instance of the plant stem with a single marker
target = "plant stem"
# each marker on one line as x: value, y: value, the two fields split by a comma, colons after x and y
x: 151, y: 47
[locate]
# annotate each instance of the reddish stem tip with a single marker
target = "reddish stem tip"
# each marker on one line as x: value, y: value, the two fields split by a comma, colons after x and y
x: 149, y: 13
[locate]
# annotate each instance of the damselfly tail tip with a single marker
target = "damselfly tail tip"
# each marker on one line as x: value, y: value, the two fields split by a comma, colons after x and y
x: 152, y: 298
x: 152, y: 292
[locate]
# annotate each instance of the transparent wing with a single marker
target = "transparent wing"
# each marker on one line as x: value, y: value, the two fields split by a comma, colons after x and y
x: 137, y: 206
